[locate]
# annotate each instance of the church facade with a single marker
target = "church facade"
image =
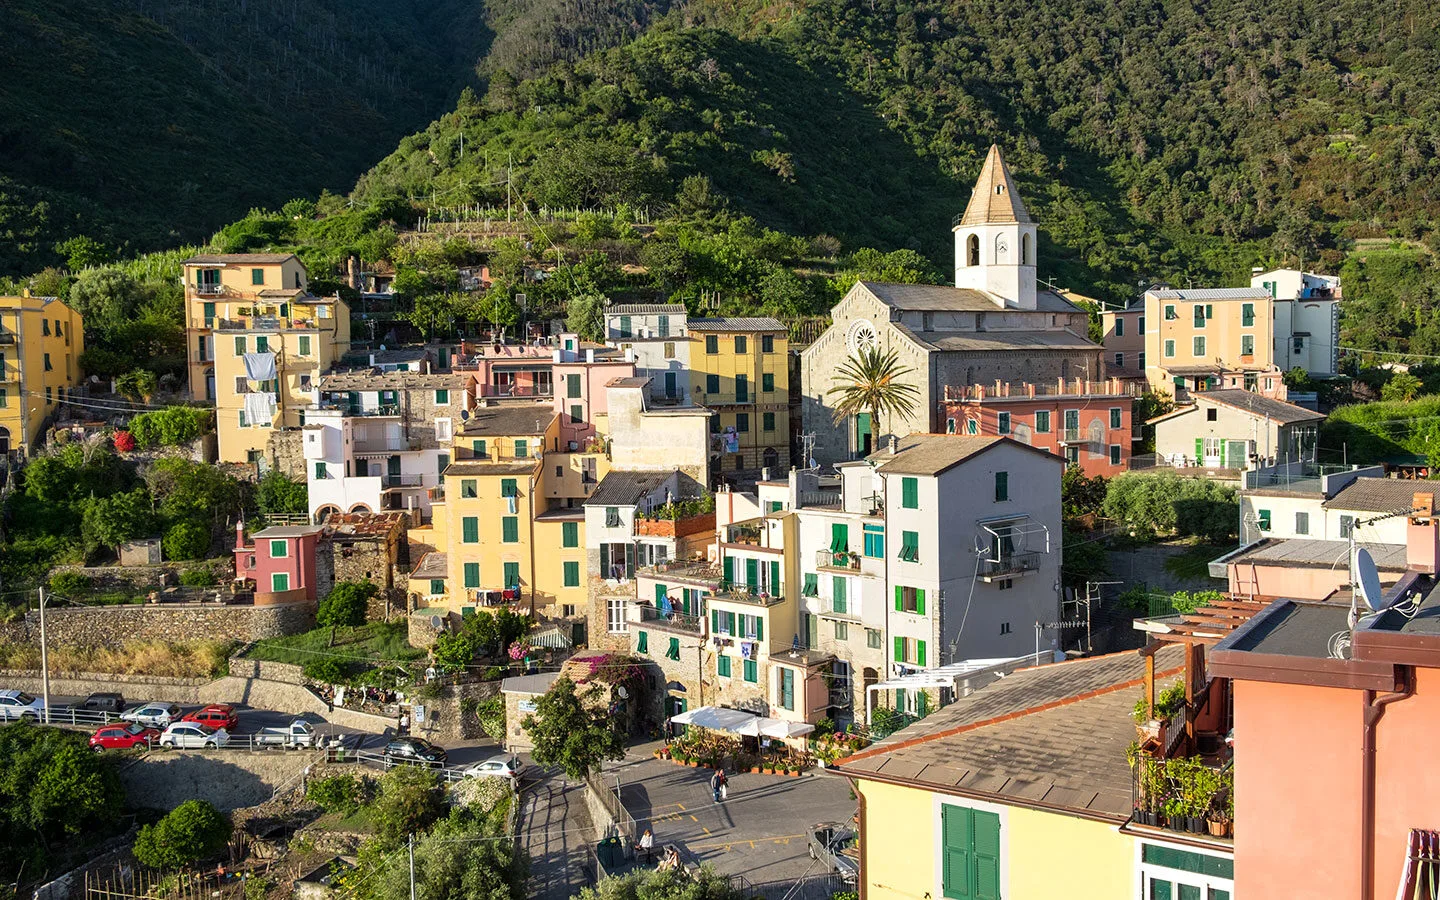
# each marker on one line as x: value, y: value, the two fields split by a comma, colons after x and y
x: 992, y: 325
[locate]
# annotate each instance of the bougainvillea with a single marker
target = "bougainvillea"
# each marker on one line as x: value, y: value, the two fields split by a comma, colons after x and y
x: 124, y: 441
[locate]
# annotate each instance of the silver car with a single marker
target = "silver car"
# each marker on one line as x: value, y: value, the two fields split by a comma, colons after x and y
x: 503, y: 766
x: 193, y: 736
x: 828, y: 843
x: 20, y: 705
x: 156, y: 715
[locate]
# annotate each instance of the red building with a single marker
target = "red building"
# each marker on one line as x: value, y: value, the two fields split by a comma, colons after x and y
x: 1089, y: 423
x: 279, y: 561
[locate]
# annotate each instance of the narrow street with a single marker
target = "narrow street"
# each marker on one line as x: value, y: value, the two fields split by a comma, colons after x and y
x: 554, y: 829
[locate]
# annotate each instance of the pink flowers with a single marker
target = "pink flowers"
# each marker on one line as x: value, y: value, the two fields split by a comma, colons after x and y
x: 124, y: 441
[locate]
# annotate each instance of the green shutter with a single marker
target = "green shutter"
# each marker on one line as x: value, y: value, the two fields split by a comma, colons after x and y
x: 899, y: 601
x: 470, y: 528
x: 919, y: 653
x: 714, y: 621
x: 920, y: 601
x: 957, y: 837
x: 759, y: 629
x: 722, y: 666
x: 730, y: 570
x: 730, y: 623
x: 752, y: 574
x: 899, y: 649
x: 572, y: 574
x: 660, y: 592
x: 510, y: 529
x: 839, y: 537
x: 437, y: 585
x: 1199, y: 451
x: 570, y: 534
x: 986, y: 855
x: 910, y: 493
x: 472, y: 575
x: 512, y: 574
x: 776, y: 588
x: 1002, y: 485
x: 838, y: 593
x: 642, y: 642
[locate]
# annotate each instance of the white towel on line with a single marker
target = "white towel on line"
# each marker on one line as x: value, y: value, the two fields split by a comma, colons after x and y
x: 260, y: 408
x: 259, y: 366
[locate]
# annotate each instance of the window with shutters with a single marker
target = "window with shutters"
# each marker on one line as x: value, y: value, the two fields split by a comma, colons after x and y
x: 712, y: 344
x: 1198, y: 348
x: 577, y: 414
x: 470, y: 530
x: 1116, y: 417
x: 240, y: 345
x: 742, y: 388
x: 279, y: 550
x: 752, y: 671
x: 612, y: 517
x: 477, y: 447
x: 1003, y: 424
x: 437, y: 586
x: 875, y: 541
x: 522, y: 449
x: 572, y: 386
x: 1115, y: 454
x: 1264, y: 517
x: 509, y: 487
x: 1002, y: 486
x: 1302, y: 523
x: 262, y: 344
x: 320, y: 470
x: 512, y: 574
x: 510, y: 529
x: 970, y: 866
x: 722, y: 666
x: 1170, y: 314
x: 767, y: 383
x: 712, y: 384
x: 467, y: 489
x: 1199, y: 316
x: 787, y: 687
x: 1247, y: 315
x: 624, y: 326
x: 838, y: 600
x: 569, y: 534
x: 767, y: 344
x: 811, y: 587
x: 1119, y: 327
x: 642, y: 642
x: 768, y: 421
x: 839, y: 537
x: 910, y: 546
x: 257, y: 276
x: 741, y: 344
x: 910, y: 493
x: 873, y: 638
x: 304, y: 345
x: 673, y: 651
x: 279, y: 582
x: 1042, y: 421
x: 742, y: 423
x: 1169, y: 349
x: 572, y: 574
x: 1247, y: 345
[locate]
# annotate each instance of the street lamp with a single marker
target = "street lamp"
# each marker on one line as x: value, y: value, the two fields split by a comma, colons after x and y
x: 44, y: 661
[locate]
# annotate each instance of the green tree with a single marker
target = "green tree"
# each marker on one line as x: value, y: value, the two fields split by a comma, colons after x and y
x: 346, y: 604
x: 54, y: 793
x: 409, y: 801
x: 453, y: 652
x: 652, y: 884
x: 873, y: 381
x: 191, y: 490
x: 107, y: 298
x: 189, y: 833
x: 571, y: 728
x: 186, y: 539
x: 83, y: 252
x: 1164, y: 503
x: 1402, y: 386
x: 277, y: 493
x: 585, y: 316
x: 138, y: 385
x: 462, y: 858
x: 114, y: 520
x: 1081, y: 495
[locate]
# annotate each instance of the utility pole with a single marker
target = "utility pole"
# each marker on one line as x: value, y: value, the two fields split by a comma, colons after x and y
x: 412, y: 865
x: 44, y: 661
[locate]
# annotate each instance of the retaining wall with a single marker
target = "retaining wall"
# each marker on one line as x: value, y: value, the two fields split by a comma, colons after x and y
x: 113, y: 626
x: 230, y: 779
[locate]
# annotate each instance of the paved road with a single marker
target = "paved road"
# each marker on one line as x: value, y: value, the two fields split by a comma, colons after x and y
x: 555, y: 829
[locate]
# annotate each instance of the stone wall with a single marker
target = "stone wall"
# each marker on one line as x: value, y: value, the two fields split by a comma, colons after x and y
x: 143, y: 579
x: 600, y: 593
x: 112, y: 626
x: 286, y: 453
x: 229, y: 779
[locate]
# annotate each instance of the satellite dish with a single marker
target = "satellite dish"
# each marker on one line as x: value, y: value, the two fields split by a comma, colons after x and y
x: 622, y: 692
x: 1369, y: 578
x: 436, y: 623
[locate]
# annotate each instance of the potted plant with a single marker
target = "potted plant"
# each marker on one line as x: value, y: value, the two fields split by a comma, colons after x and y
x: 1175, y: 813
x: 1222, y: 807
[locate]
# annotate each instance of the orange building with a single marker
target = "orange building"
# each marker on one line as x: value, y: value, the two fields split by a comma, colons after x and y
x: 1089, y: 423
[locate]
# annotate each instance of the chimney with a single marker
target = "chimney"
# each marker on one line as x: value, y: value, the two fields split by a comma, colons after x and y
x: 239, y: 534
x: 1422, y: 536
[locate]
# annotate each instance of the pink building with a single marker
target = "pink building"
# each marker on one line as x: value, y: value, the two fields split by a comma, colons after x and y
x: 279, y: 561
x: 580, y: 395
x: 1089, y: 423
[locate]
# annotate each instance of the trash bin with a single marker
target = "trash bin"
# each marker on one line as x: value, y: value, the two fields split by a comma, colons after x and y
x: 610, y: 853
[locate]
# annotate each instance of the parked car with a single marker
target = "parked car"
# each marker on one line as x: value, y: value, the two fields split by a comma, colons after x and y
x: 414, y: 751
x: 124, y: 737
x: 156, y: 715
x: 298, y: 733
x: 193, y: 736
x: 216, y: 715
x: 504, y: 765
x: 20, y: 705
x: 828, y: 843
x: 106, y: 703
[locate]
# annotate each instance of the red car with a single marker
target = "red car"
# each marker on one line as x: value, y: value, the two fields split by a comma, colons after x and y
x: 216, y: 715
x: 124, y: 736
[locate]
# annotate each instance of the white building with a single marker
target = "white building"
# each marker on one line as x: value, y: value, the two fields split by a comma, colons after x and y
x: 1307, y: 318
x: 659, y: 337
x: 1330, y: 508
x: 381, y: 441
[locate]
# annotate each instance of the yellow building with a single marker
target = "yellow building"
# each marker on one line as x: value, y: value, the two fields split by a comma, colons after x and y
x: 740, y: 368
x: 256, y: 342
x: 1210, y: 338
x: 1022, y: 790
x: 513, y: 534
x: 41, y: 340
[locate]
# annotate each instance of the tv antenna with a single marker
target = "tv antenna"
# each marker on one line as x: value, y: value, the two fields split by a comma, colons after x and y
x: 1364, y: 575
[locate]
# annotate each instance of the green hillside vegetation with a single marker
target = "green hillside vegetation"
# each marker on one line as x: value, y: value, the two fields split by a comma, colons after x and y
x: 1385, y: 430
x: 139, y: 122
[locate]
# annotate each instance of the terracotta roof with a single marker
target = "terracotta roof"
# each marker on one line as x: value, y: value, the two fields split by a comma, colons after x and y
x: 997, y: 341
x: 995, y: 198
x: 647, y: 309
x: 736, y: 324
x: 220, y: 259
x: 489, y: 467
x: 944, y: 298
x: 1052, y: 735
x: 1380, y: 494
x: 931, y: 454
x: 1275, y: 410
x: 435, y: 564
x: 361, y: 525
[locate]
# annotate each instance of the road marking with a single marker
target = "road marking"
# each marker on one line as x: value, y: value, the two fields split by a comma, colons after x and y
x: 681, y: 805
x: 693, y: 819
x: 725, y: 846
x: 704, y: 829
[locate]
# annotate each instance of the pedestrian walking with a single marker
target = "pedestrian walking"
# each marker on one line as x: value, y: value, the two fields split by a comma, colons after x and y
x: 646, y: 846
x: 717, y: 784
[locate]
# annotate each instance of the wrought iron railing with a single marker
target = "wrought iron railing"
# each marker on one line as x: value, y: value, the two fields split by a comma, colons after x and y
x: 1013, y: 564
x: 837, y: 559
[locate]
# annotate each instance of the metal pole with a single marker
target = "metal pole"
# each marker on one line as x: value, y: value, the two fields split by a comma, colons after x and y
x: 44, y: 660
x: 412, y: 866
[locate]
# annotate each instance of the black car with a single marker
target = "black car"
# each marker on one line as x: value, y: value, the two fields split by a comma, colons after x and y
x: 414, y: 751
x: 109, y: 703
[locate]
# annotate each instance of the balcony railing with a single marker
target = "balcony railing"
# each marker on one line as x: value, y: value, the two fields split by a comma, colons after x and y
x: 383, y: 410
x: 1072, y: 435
x: 1013, y: 564
x: 758, y: 595
x: 675, y: 620
x: 379, y: 445
x: 401, y: 481
x: 210, y: 290
x: 1184, y: 794
x: 837, y: 559
x: 517, y: 390
x: 743, y: 533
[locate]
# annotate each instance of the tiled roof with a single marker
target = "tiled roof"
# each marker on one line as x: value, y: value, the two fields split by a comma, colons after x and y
x: 647, y: 309
x: 220, y: 259
x: 399, y: 355
x: 931, y: 454
x: 995, y: 198
x: 944, y: 298
x: 352, y: 525
x: 736, y: 324
x: 521, y: 419
x: 1380, y: 494
x: 284, y: 531
x: 994, y: 341
x: 371, y: 380
x: 1275, y: 410
x: 627, y: 488
x: 492, y: 467
x: 1052, y: 734
x: 1239, y: 293
x: 435, y: 564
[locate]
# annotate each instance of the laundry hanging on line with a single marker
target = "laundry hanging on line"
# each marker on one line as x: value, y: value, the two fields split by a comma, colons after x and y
x: 260, y: 366
x: 260, y: 408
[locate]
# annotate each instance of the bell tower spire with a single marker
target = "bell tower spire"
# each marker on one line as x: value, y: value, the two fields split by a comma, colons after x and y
x: 995, y: 239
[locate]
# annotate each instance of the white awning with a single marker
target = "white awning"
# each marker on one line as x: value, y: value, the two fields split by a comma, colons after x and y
x: 782, y: 728
x: 716, y: 717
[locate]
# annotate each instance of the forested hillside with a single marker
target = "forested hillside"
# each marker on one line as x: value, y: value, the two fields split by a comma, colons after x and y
x: 141, y: 123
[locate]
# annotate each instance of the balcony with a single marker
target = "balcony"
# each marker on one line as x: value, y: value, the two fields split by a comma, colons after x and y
x: 1010, y: 566
x: 378, y: 446
x: 383, y: 410
x: 649, y: 617
x: 699, y: 572
x: 743, y: 533
x: 759, y: 595
x: 396, y: 482
x: 837, y: 561
x: 516, y: 390
x: 209, y: 290
x: 1072, y: 435
x: 1189, y: 795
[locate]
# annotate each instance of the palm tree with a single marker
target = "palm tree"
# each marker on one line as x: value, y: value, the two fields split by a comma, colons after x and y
x: 873, y: 381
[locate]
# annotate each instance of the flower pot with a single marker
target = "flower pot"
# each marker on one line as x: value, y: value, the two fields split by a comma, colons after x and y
x: 754, y: 770
x: 1146, y: 817
x: 1217, y: 829
x: 793, y: 774
x: 1195, y: 824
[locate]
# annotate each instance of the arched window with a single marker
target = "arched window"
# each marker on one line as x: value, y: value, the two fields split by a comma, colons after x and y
x: 1025, y: 258
x: 972, y: 250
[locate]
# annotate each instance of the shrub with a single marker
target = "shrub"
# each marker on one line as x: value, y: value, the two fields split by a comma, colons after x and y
x: 170, y: 427
x: 186, y: 540
x: 198, y: 578
x: 409, y: 802
x: 70, y: 584
x: 1166, y: 503
x: 346, y: 604
x: 124, y: 441
x: 326, y: 671
x: 340, y: 793
x: 190, y: 832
